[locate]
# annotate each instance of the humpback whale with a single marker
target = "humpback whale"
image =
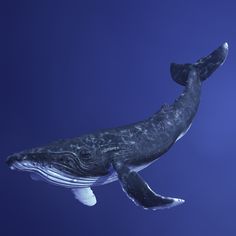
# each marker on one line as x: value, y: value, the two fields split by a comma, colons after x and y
x: 119, y: 153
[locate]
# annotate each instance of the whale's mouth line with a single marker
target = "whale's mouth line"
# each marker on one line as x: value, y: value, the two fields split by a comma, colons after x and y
x: 53, y: 176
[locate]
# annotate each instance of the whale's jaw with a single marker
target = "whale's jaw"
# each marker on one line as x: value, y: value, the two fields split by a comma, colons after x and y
x: 51, y: 171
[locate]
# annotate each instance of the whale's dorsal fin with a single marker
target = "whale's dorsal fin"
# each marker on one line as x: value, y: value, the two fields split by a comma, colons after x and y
x: 85, y: 196
x: 139, y: 191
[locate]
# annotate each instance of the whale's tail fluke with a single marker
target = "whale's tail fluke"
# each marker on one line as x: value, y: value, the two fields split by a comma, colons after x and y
x: 205, y: 66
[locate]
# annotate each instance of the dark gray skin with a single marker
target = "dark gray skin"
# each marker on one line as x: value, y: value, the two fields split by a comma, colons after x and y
x: 104, y: 156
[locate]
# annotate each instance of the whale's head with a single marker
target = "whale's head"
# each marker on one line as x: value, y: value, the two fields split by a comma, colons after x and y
x: 61, y: 168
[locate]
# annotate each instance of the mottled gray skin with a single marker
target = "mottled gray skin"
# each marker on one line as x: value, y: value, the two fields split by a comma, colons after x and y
x: 134, y: 145
x: 104, y: 156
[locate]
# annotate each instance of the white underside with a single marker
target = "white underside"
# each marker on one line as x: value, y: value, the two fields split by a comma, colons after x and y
x: 85, y: 196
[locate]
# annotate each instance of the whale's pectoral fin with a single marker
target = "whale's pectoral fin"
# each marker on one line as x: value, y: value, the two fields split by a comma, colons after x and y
x: 139, y: 191
x: 85, y: 196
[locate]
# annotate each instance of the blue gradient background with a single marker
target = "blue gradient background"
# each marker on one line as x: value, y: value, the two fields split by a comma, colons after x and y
x: 73, y: 67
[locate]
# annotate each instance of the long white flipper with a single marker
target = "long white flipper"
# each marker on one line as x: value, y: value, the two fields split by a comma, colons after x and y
x: 85, y: 196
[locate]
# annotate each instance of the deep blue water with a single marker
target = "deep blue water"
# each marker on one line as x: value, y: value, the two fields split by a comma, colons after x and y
x: 74, y: 67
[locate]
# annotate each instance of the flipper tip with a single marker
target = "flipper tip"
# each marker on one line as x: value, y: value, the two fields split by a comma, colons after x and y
x: 176, y: 202
x: 170, y: 202
x: 85, y: 196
